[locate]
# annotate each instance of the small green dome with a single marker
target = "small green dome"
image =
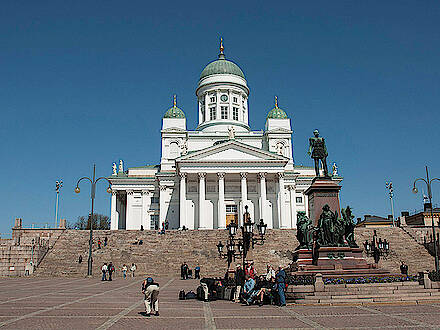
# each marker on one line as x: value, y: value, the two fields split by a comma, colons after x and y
x: 277, y: 113
x: 174, y: 112
x: 221, y: 66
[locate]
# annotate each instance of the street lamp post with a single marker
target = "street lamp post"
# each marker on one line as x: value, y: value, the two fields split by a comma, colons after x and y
x: 245, y: 242
x: 93, y: 182
x: 428, y: 184
x: 389, y: 186
x: 58, y: 185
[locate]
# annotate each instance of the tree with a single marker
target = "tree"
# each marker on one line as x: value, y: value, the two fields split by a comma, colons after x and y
x: 100, y: 221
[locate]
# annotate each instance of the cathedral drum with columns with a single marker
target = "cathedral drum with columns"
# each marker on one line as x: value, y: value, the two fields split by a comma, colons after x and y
x: 207, y: 176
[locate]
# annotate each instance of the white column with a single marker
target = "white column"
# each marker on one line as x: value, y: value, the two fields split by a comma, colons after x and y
x: 243, y: 196
x: 162, y: 206
x: 292, y: 193
x: 183, y: 201
x: 146, y: 204
x: 306, y: 204
x: 113, y: 214
x: 263, y: 201
x: 221, y: 201
x: 129, y: 219
x: 202, y: 214
x: 282, y: 201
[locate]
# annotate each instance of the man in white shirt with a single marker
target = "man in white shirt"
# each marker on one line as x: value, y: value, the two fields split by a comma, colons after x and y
x: 104, y: 272
x: 132, y: 269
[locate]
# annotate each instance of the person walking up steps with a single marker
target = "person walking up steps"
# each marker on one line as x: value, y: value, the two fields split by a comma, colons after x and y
x: 150, y: 289
x: 133, y: 269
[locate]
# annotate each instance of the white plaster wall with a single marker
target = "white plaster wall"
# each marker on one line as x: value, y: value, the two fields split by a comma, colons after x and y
x: 174, y: 123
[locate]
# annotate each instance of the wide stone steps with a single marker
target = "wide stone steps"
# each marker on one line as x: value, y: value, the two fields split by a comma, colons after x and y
x: 370, y: 293
x: 163, y: 254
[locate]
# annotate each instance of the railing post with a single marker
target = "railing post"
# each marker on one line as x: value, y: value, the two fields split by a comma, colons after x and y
x: 426, y: 281
x: 319, y: 283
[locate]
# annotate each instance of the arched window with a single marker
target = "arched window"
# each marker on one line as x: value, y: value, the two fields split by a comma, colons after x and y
x: 174, y: 150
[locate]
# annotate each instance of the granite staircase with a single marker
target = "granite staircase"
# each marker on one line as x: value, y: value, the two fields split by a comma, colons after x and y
x: 163, y: 254
x: 397, y: 292
x: 402, y: 248
x: 159, y: 254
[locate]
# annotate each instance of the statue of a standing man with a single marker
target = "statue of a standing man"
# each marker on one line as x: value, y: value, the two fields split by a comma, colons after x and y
x: 318, y: 151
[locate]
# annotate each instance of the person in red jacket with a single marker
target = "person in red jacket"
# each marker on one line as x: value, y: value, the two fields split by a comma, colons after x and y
x: 250, y: 270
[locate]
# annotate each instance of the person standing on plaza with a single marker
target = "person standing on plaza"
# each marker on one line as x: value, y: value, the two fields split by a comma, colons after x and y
x: 281, y: 283
x: 124, y: 271
x: 239, y: 282
x: 111, y: 269
x: 133, y: 269
x: 185, y: 270
x: 105, y: 241
x: 104, y: 272
x: 150, y: 289
x: 80, y: 259
x: 99, y: 243
x: 182, y: 271
x: 197, y: 272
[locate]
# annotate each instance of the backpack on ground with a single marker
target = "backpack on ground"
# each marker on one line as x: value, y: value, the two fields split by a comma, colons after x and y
x: 190, y: 295
x: 200, y: 293
x: 182, y: 295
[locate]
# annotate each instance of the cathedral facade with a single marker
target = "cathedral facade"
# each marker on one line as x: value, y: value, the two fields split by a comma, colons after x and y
x: 208, y: 176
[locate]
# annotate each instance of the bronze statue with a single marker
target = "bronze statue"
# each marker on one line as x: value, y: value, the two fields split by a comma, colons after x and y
x: 349, y: 226
x: 318, y: 151
x: 326, y: 224
x: 304, y: 231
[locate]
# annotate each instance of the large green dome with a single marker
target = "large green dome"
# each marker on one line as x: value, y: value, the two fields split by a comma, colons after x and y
x: 221, y: 66
x: 174, y: 112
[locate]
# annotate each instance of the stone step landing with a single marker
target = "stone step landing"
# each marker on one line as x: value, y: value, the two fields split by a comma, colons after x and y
x: 352, y: 294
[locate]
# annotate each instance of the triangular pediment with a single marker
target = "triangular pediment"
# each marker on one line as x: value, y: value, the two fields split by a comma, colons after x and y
x: 230, y: 151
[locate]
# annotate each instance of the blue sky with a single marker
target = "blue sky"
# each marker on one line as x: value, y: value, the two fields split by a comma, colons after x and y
x: 85, y: 82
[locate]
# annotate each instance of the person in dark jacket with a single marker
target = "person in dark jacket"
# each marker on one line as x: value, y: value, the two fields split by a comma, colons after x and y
x: 404, y: 269
x: 239, y: 282
x: 110, y: 270
x: 281, y: 283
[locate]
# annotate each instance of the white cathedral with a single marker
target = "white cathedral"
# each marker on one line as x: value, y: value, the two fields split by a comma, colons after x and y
x: 207, y: 176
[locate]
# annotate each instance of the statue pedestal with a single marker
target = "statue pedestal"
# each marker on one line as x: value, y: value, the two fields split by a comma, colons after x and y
x: 322, y: 191
x: 338, y: 261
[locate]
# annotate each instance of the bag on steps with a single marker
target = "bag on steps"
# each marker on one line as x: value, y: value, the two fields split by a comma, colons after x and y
x: 228, y: 293
x: 182, y: 295
x: 190, y: 295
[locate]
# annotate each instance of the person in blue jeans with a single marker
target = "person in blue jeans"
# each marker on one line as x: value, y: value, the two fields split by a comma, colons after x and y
x: 281, y: 283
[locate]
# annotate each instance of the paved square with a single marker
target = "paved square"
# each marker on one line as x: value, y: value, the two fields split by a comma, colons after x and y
x: 37, y: 303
